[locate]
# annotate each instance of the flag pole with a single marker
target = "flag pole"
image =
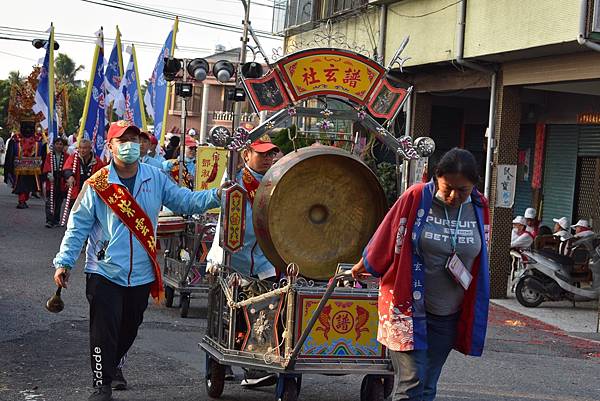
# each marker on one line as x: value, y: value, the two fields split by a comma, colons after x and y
x: 168, y: 95
x: 88, y: 95
x: 51, y: 86
x: 139, y: 88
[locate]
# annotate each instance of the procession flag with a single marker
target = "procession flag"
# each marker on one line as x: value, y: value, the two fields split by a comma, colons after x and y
x: 93, y: 119
x: 129, y: 104
x: 157, y: 94
x: 114, y: 71
x: 44, y: 94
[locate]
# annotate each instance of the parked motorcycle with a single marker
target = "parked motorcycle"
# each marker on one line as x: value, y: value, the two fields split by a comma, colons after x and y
x: 548, y: 276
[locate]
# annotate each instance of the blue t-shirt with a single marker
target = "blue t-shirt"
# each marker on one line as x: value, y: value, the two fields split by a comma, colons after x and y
x: 129, y: 183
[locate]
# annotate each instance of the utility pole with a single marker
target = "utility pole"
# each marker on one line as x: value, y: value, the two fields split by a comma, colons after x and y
x: 183, y: 128
x: 237, y: 109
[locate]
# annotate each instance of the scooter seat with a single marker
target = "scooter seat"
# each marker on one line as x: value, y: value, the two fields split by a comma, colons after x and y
x: 562, y: 259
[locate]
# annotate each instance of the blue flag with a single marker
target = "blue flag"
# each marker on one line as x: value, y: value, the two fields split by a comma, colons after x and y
x: 44, y: 94
x: 157, y: 94
x: 129, y: 105
x: 114, y: 71
x: 94, y: 119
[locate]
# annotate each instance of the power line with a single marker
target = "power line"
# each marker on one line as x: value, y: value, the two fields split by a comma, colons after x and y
x: 159, y: 13
x: 16, y: 55
x: 254, y: 3
x: 24, y: 34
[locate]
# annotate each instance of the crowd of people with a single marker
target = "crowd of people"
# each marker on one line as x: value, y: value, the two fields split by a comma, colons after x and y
x: 58, y: 171
x: 527, y: 228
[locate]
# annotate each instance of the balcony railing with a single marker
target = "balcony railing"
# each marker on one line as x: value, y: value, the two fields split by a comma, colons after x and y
x: 228, y: 116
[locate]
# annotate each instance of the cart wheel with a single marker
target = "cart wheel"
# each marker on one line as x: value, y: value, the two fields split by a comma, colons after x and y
x: 169, y: 295
x: 185, y: 303
x: 290, y: 390
x: 215, y: 379
x: 372, y: 388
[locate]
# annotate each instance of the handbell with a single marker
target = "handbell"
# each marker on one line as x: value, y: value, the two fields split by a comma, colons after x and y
x: 55, y: 304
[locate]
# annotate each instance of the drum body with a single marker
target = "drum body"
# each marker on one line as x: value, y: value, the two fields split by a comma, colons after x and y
x: 169, y: 225
x: 317, y: 207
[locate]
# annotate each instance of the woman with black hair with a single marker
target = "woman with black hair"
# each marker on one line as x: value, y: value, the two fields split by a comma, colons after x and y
x: 430, y: 252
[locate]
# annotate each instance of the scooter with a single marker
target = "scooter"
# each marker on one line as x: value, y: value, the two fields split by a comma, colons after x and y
x: 548, y: 276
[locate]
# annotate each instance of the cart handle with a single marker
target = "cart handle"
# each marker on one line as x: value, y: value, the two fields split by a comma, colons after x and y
x: 291, y: 362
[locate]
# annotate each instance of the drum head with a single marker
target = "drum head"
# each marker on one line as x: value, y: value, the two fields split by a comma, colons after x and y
x: 317, y: 207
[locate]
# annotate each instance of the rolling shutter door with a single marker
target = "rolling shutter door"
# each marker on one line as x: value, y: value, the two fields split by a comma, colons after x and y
x: 560, y: 172
x: 589, y: 141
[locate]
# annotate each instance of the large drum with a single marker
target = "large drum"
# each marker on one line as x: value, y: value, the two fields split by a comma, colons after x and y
x: 169, y: 224
x: 317, y: 207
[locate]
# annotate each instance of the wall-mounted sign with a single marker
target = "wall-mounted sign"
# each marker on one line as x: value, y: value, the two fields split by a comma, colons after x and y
x: 588, y: 118
x: 317, y: 72
x: 505, y: 185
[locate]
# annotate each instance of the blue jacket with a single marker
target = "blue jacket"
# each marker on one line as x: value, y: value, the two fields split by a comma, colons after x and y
x: 251, y: 260
x: 190, y: 165
x: 151, y: 161
x: 125, y: 261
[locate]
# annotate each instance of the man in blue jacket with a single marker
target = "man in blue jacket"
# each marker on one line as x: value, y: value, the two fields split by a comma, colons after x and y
x: 117, y: 212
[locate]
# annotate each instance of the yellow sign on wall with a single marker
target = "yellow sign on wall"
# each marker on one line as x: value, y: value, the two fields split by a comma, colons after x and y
x: 330, y: 72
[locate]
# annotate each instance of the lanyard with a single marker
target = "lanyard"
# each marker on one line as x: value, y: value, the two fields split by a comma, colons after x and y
x: 454, y: 237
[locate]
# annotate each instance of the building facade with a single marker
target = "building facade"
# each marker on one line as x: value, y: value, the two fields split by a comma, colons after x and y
x: 523, y: 77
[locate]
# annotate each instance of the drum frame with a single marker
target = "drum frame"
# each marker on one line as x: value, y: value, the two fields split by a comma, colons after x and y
x: 176, y: 273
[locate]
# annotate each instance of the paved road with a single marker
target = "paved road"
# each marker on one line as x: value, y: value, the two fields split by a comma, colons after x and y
x: 44, y: 356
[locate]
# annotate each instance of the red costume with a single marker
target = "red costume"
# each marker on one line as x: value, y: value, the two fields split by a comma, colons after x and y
x: 23, y: 164
x: 81, y: 170
x: 56, y: 187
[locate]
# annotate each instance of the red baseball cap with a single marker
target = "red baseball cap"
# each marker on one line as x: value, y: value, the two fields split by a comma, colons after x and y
x: 263, y: 144
x: 118, y: 128
x: 190, y: 142
x: 153, y: 140
x: 146, y: 134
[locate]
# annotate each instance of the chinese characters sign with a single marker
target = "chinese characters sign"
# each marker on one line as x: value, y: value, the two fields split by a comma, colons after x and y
x: 505, y: 185
x: 346, y: 328
x: 330, y: 72
x: 211, y: 164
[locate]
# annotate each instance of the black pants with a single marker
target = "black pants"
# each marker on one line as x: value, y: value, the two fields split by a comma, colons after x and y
x: 116, y: 312
x: 59, y: 197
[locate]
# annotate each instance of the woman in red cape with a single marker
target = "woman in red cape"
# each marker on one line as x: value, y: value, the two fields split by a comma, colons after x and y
x: 435, y: 238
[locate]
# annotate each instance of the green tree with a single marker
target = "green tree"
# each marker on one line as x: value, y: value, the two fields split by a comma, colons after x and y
x: 5, y: 86
x: 76, y: 103
x: 15, y: 77
x: 65, y: 69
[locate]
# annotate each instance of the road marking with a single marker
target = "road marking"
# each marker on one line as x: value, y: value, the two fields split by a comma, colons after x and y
x: 30, y: 395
